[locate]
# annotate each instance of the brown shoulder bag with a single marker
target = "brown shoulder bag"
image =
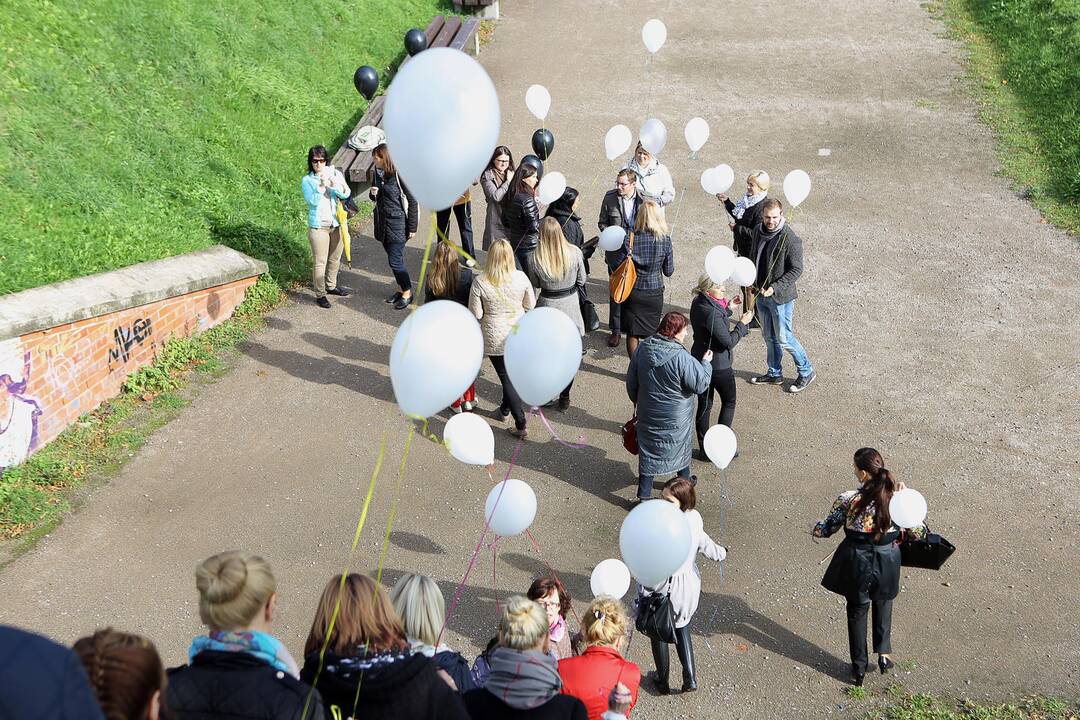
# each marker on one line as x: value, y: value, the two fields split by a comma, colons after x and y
x: 623, y: 279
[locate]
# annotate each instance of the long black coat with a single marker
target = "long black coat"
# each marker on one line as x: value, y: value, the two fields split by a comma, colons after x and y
x: 522, y: 222
x: 709, y: 321
x: 750, y: 220
x: 393, y: 224
x: 861, y: 571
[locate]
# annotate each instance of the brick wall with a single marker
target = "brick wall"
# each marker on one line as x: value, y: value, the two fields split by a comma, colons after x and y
x: 48, y: 378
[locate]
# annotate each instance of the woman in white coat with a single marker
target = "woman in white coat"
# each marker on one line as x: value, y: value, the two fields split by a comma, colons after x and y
x: 653, y: 179
x: 684, y: 587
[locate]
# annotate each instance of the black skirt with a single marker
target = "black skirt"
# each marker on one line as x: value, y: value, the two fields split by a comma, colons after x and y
x: 641, y: 312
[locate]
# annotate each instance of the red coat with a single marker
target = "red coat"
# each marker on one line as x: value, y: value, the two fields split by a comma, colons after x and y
x: 591, y: 676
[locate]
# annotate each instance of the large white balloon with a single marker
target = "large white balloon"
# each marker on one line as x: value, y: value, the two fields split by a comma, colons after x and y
x: 743, y: 273
x: 551, y: 188
x: 725, y: 176
x: 719, y: 263
x: 441, y: 120
x: 542, y: 354
x: 653, y: 136
x: 720, y: 445
x: 612, y: 238
x: 708, y: 181
x: 907, y: 508
x: 610, y: 577
x: 538, y: 100
x: 435, y: 356
x: 469, y: 439
x: 510, y: 508
x: 654, y: 34
x: 617, y: 141
x: 696, y: 133
x: 796, y: 187
x: 654, y: 541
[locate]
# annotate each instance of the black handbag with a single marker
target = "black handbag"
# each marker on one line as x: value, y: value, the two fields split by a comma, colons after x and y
x: 929, y: 552
x: 588, y: 310
x: 655, y: 617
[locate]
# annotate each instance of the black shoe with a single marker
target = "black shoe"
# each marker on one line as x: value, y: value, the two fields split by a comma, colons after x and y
x: 801, y: 384
x: 885, y: 664
x: 857, y: 676
x: 767, y: 380
x: 403, y: 302
x: 339, y: 291
x: 615, y: 340
x: 754, y: 325
x: 662, y: 686
x: 392, y: 298
x: 701, y: 455
x: 693, y: 480
x: 322, y: 302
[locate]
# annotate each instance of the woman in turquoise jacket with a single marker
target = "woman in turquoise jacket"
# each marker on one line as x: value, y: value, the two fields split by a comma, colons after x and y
x: 324, y: 187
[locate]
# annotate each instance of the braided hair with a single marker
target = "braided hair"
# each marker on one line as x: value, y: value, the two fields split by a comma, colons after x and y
x: 124, y: 670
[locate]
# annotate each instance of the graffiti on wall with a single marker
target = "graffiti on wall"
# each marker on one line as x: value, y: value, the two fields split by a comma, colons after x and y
x: 18, y: 413
x: 126, y: 337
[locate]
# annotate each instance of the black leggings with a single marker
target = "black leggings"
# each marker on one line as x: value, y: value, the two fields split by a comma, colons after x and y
x: 723, y: 382
x: 510, y: 399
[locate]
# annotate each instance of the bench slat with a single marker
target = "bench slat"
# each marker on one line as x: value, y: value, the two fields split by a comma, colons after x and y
x: 465, y: 33
x: 449, y: 30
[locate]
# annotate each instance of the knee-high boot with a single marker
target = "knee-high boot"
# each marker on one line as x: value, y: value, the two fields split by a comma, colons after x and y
x: 661, y: 658
x: 685, y: 647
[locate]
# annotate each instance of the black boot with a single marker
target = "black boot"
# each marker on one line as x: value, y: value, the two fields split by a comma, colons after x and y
x: 685, y: 648
x: 661, y: 659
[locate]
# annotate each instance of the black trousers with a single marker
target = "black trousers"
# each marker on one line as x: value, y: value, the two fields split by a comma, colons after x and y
x: 685, y: 649
x: 510, y: 399
x: 614, y: 310
x: 463, y: 213
x: 856, y: 629
x: 723, y: 383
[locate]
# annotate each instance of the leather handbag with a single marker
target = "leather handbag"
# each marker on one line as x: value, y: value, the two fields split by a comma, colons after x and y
x: 588, y: 311
x: 629, y: 435
x: 623, y: 278
x: 929, y: 552
x: 655, y: 617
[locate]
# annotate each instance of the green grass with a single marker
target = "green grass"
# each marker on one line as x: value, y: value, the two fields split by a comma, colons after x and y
x: 132, y: 131
x: 1024, y: 61
x: 928, y: 707
x: 34, y: 495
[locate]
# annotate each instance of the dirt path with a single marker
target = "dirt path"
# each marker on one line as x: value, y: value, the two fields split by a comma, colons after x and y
x: 938, y: 311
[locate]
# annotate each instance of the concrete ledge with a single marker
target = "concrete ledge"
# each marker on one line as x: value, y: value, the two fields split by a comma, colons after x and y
x: 86, y: 297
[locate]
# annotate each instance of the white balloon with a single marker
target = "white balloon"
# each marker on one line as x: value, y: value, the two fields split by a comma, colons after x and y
x: 610, y: 577
x: 725, y: 176
x: 617, y: 141
x: 696, y: 133
x: 510, y: 508
x: 551, y: 188
x: 469, y: 439
x: 796, y: 187
x: 538, y: 100
x: 612, y: 238
x: 542, y: 354
x: 653, y: 136
x: 744, y: 273
x: 654, y: 34
x: 435, y: 356
x: 708, y: 181
x: 720, y: 445
x: 907, y: 508
x: 654, y: 541
x: 441, y: 120
x: 719, y: 263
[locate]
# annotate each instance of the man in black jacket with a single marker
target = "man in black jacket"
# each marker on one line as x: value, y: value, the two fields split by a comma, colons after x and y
x: 620, y: 208
x: 777, y: 253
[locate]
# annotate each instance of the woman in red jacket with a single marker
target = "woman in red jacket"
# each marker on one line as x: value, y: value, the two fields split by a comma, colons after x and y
x: 591, y: 676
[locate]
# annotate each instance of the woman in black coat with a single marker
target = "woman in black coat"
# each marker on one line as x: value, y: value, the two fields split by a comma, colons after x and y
x: 709, y: 315
x: 565, y: 211
x: 521, y: 217
x: 396, y: 218
x: 865, y: 569
x: 745, y: 217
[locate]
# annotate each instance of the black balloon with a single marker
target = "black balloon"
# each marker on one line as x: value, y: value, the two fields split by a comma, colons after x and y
x: 415, y: 41
x: 543, y: 142
x: 366, y: 80
x: 535, y: 162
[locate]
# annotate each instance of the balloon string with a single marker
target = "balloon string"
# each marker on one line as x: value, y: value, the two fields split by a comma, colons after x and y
x: 678, y: 207
x: 348, y: 563
x: 494, y: 582
x: 555, y: 435
x: 394, y: 503
x: 480, y: 542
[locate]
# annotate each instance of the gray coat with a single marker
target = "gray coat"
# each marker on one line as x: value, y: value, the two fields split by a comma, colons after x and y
x: 493, y: 220
x: 665, y: 380
x: 573, y: 278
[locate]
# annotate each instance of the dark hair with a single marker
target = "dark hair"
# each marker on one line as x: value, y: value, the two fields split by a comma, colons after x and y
x: 545, y: 584
x: 564, y: 203
x: 672, y: 324
x: 771, y: 204
x: 382, y: 152
x: 316, y: 152
x: 124, y: 671
x: 518, y: 184
x: 501, y: 150
x: 878, y: 489
x: 682, y: 490
x: 628, y: 174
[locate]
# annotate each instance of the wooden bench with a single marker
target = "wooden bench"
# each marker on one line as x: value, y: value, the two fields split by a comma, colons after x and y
x: 449, y: 32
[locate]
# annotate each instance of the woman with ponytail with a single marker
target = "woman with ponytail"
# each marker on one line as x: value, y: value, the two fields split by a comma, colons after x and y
x: 865, y: 569
x: 591, y: 676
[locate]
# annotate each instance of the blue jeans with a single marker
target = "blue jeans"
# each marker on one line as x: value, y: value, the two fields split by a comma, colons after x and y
x: 645, y: 483
x: 775, y: 323
x: 395, y: 254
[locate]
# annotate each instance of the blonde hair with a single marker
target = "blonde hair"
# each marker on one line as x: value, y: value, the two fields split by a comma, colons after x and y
x: 552, y: 254
x: 445, y: 272
x: 651, y: 219
x: 604, y: 622
x: 523, y: 625
x: 420, y: 605
x: 759, y: 178
x: 499, y: 263
x: 705, y: 284
x: 234, y: 587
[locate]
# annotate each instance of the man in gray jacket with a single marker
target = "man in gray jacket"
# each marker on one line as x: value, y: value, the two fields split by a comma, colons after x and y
x: 778, y: 256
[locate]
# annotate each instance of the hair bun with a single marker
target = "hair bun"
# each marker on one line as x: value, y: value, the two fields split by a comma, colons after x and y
x: 222, y: 580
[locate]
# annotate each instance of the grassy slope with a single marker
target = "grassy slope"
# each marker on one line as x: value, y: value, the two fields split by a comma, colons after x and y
x: 132, y: 131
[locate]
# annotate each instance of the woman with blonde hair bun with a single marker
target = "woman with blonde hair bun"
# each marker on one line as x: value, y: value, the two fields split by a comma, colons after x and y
x: 591, y: 676
x: 422, y: 609
x: 238, y: 669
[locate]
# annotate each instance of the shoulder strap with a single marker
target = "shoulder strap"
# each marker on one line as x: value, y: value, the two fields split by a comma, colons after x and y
x: 630, y: 250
